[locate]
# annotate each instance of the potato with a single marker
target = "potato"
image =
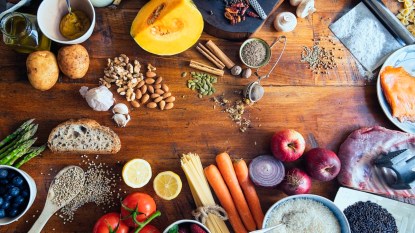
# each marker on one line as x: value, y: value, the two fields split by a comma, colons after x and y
x: 73, y: 61
x: 42, y: 70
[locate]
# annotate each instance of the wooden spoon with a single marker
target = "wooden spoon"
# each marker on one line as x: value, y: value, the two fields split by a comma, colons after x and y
x: 51, y: 205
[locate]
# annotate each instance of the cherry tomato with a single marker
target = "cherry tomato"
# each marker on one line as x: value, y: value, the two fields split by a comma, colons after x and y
x: 110, y: 223
x: 140, y: 204
x: 148, y: 229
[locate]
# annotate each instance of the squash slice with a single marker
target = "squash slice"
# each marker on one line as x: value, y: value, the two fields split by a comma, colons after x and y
x: 167, y: 27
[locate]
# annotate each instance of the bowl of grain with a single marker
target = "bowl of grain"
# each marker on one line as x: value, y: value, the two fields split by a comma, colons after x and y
x: 306, y: 213
x: 255, y: 53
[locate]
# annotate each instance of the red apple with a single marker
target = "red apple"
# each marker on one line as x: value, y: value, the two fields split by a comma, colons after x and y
x: 322, y: 164
x: 287, y: 145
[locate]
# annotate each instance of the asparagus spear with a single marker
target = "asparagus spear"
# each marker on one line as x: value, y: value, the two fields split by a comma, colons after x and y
x: 16, y: 133
x: 28, y: 132
x: 19, y: 155
x: 30, y: 156
x: 23, y: 147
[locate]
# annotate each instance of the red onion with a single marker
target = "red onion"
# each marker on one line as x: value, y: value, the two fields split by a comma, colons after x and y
x: 266, y: 171
x: 296, y: 182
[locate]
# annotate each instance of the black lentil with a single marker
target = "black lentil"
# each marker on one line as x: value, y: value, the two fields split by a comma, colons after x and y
x: 369, y: 217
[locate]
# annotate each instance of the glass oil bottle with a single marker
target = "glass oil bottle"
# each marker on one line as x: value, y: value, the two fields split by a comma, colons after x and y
x: 21, y: 32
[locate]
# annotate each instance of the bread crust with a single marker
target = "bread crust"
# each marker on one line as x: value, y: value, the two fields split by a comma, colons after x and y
x: 88, y: 123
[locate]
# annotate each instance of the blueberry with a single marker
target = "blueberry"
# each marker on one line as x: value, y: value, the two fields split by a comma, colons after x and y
x: 12, y: 212
x: 25, y: 193
x: 2, y: 190
x: 6, y: 204
x: 17, y: 180
x: 14, y: 191
x: 1, y: 201
x: 11, y: 175
x: 4, y: 181
x: 3, y: 173
x: 2, y: 213
x: 7, y: 197
x: 18, y: 201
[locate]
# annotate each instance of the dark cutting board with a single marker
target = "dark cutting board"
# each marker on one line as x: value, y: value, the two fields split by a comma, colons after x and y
x: 217, y: 25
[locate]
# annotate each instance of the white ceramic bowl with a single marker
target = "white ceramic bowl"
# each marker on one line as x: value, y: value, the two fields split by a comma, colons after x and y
x: 186, y: 221
x: 344, y: 224
x: 51, y: 12
x: 32, y: 190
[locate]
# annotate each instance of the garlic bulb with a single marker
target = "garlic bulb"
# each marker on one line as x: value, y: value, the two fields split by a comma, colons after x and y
x: 295, y: 2
x: 305, y: 8
x: 120, y: 108
x: 285, y: 22
x: 99, y: 98
x: 121, y: 119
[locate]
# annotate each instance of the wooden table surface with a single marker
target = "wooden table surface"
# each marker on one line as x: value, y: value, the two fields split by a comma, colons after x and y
x: 324, y: 108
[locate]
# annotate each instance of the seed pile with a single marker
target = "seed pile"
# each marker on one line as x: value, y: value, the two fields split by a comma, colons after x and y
x: 99, y: 188
x: 202, y: 83
x: 254, y: 53
x: 368, y: 217
x: 148, y: 90
x: 319, y: 59
x: 66, y: 186
x: 235, y: 111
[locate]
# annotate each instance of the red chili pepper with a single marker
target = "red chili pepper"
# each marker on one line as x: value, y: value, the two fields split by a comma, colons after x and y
x: 228, y: 16
x: 243, y: 11
x: 252, y: 14
x: 238, y: 5
x: 232, y: 10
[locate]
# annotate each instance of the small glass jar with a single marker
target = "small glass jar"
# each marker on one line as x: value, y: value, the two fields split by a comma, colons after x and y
x: 21, y: 32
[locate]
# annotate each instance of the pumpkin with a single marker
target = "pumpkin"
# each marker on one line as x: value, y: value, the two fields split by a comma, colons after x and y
x: 167, y: 27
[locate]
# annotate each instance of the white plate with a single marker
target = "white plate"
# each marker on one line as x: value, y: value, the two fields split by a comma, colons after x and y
x: 404, y: 57
x: 403, y: 213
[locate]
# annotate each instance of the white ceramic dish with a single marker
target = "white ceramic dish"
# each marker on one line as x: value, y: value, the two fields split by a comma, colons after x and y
x: 186, y: 221
x: 403, y: 213
x: 344, y: 224
x: 404, y: 57
x: 50, y: 13
x: 32, y: 189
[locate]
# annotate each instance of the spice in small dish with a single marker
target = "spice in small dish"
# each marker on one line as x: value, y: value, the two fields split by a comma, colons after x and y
x: 73, y: 25
x: 254, y: 53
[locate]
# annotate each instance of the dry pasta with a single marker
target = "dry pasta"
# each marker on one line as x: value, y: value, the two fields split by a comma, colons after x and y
x: 192, y: 167
x: 407, y: 15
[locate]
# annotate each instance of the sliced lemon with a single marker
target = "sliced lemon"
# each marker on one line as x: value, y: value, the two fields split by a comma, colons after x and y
x: 136, y: 173
x: 167, y: 185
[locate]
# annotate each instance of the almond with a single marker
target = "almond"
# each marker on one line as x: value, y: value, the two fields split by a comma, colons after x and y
x: 170, y: 99
x: 145, y: 98
x: 143, y: 89
x: 157, y: 86
x: 164, y: 87
x: 150, y: 89
x: 140, y: 84
x: 158, y: 99
x: 169, y: 106
x: 149, y: 80
x: 158, y: 80
x: 138, y: 94
x: 159, y: 91
x: 167, y: 94
x: 135, y: 104
x: 153, y: 96
x: 162, y: 104
x: 150, y: 74
x: 151, y: 105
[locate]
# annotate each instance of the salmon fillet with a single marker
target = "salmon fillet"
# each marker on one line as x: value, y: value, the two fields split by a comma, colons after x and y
x: 399, y: 89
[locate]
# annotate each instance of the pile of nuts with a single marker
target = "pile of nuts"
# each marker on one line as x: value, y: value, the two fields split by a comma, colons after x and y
x: 137, y: 89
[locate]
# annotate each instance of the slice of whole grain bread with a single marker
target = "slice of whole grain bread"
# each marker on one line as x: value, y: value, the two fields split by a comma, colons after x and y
x: 83, y: 136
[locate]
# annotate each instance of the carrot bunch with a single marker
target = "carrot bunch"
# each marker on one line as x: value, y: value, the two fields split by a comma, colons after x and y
x: 236, y: 193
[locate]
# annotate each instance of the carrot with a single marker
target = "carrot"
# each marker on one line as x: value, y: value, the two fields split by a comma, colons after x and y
x: 228, y: 173
x: 218, y: 184
x: 241, y: 170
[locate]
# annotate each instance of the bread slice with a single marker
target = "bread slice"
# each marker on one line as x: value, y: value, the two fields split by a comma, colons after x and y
x: 83, y: 136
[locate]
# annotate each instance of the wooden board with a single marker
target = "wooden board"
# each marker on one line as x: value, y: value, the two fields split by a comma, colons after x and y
x: 217, y: 25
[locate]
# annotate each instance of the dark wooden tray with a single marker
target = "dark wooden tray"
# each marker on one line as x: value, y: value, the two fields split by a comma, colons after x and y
x: 217, y: 25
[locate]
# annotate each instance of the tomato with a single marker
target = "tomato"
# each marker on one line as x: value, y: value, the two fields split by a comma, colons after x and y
x: 110, y: 223
x: 140, y: 204
x: 148, y: 229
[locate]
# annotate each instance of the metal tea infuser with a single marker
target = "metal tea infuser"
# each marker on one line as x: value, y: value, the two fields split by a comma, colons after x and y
x: 254, y: 91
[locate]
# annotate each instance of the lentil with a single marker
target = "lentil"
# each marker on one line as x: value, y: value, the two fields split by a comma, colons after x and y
x: 368, y: 217
x: 67, y: 185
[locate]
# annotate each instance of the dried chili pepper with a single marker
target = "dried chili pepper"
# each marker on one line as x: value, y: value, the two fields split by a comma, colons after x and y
x: 243, y: 11
x: 252, y: 14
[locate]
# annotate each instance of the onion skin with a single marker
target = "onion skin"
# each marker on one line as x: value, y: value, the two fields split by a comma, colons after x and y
x: 266, y: 171
x: 295, y: 182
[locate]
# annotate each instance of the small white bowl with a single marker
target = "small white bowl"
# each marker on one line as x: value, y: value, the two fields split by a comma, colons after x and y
x: 186, y: 221
x: 51, y: 12
x: 32, y: 194
x: 344, y: 224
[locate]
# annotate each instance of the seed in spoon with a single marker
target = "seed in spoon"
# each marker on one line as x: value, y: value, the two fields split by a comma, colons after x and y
x: 67, y: 185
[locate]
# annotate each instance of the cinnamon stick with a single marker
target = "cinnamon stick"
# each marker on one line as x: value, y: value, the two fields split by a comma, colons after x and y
x: 220, y: 54
x: 206, y: 68
x: 209, y: 55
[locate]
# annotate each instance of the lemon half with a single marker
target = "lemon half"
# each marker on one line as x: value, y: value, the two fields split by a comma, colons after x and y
x: 136, y: 173
x: 167, y: 185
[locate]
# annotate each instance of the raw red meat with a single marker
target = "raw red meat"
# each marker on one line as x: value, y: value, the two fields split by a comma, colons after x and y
x: 358, y: 152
